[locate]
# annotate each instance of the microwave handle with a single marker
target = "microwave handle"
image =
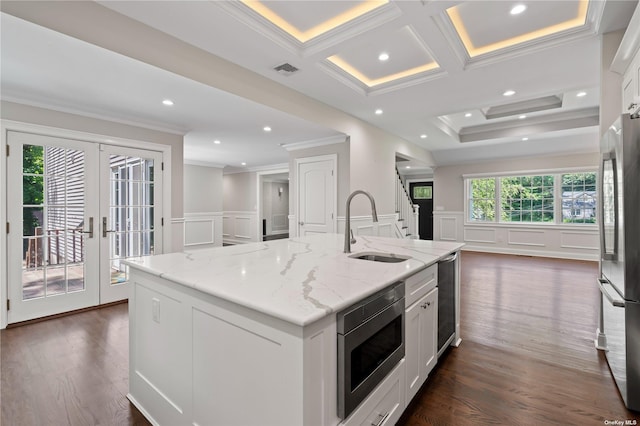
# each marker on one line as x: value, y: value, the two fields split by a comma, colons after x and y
x: 609, y: 156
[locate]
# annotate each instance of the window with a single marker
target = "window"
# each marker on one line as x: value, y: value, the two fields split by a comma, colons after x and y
x: 422, y: 192
x: 553, y: 198
x: 579, y: 198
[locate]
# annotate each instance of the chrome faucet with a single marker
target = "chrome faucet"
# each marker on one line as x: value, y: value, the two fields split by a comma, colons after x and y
x: 348, y: 235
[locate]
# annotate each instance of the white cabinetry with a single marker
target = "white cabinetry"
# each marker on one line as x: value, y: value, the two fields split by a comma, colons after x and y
x: 385, y: 404
x: 421, y: 328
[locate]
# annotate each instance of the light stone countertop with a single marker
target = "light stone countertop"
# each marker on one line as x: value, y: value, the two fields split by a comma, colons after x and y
x: 299, y: 280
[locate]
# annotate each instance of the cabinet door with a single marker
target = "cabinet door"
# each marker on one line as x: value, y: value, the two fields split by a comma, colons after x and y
x: 421, y: 344
x: 413, y: 360
x: 429, y: 335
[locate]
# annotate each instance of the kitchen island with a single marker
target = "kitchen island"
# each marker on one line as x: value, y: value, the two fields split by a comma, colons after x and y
x: 246, y: 335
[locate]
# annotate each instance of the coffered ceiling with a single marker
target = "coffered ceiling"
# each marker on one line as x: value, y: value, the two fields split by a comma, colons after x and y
x: 467, y: 80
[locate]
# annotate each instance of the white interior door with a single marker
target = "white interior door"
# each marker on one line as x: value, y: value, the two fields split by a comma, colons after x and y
x: 52, y: 211
x: 316, y: 195
x: 130, y: 214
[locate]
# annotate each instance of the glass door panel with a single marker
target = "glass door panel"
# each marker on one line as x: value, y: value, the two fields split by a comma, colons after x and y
x: 129, y: 214
x: 52, y: 258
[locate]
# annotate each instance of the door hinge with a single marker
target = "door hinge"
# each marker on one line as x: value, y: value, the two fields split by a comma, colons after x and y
x: 8, y: 150
x: 8, y: 304
x: 331, y: 216
x: 162, y: 166
x: 7, y: 227
x: 162, y: 221
x: 331, y: 172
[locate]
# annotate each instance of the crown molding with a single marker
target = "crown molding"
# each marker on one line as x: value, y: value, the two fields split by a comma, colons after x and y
x: 331, y: 140
x: 204, y: 164
x: 266, y: 168
x: 99, y: 116
x: 629, y: 45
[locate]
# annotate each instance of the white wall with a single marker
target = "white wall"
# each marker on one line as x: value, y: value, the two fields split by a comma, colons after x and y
x: 578, y: 242
x: 202, y: 206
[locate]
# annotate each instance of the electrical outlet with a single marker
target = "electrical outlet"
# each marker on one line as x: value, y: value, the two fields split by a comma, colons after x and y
x: 155, y: 309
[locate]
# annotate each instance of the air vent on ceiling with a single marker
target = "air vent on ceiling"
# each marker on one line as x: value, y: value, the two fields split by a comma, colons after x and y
x: 286, y: 69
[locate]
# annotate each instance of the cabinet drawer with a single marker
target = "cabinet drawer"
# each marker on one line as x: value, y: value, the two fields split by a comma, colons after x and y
x: 385, y: 404
x: 420, y: 283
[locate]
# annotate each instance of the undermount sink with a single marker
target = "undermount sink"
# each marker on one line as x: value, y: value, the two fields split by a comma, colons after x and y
x: 380, y: 257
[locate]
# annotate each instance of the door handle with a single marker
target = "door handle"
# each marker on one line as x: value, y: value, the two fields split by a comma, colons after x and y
x: 90, y: 231
x: 301, y: 223
x: 104, y: 227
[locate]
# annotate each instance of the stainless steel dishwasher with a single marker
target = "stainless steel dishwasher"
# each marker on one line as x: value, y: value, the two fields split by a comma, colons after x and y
x: 446, y: 301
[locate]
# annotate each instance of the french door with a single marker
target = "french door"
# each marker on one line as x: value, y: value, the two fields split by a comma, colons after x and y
x: 130, y: 209
x: 76, y: 210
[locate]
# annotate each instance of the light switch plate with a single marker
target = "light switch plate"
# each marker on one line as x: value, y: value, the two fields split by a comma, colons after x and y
x: 155, y: 309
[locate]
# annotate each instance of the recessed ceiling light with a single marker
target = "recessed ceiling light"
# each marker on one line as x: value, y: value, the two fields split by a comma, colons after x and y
x: 167, y: 102
x: 581, y: 94
x: 243, y: 163
x: 378, y: 111
x: 509, y: 93
x: 525, y: 139
x: 522, y: 117
x: 423, y: 136
x: 383, y: 57
x: 266, y: 128
x: 407, y: 167
x: 518, y: 9
x: 468, y: 114
x: 217, y: 142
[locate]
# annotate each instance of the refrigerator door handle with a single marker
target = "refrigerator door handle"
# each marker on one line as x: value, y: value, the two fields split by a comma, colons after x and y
x: 604, y: 289
x: 611, y: 157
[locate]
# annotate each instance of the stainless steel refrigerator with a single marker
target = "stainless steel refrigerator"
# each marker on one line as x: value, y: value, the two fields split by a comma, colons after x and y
x: 620, y: 254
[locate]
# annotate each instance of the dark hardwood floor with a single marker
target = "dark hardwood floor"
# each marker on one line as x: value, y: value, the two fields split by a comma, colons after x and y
x: 527, y: 357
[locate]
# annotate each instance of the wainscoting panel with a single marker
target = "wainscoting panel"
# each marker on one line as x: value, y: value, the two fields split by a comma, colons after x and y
x: 526, y: 237
x: 364, y: 225
x: 239, y: 227
x: 202, y: 230
x: 447, y: 225
x: 480, y: 235
x: 560, y: 241
x: 579, y: 240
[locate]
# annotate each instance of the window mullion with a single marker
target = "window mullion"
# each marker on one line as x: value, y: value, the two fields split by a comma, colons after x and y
x: 557, y: 199
x: 498, y: 209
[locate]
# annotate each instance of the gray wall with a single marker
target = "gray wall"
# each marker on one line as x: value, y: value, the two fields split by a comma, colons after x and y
x: 202, y: 189
x: 239, y: 192
x: 448, y: 191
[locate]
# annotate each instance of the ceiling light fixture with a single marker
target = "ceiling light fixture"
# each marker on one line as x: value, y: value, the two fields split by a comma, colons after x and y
x: 266, y: 128
x: 383, y: 57
x: 522, y: 117
x: 581, y: 94
x: 468, y: 115
x: 423, y: 136
x: 518, y: 9
x: 509, y: 93
x: 167, y: 102
x: 525, y: 139
x: 217, y: 142
x: 407, y: 167
x: 243, y: 163
x: 379, y: 111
